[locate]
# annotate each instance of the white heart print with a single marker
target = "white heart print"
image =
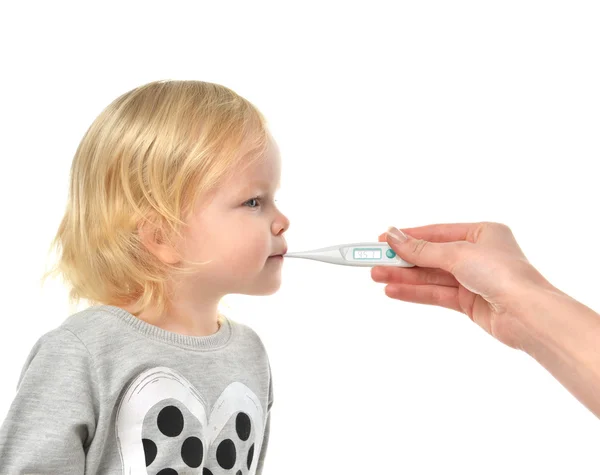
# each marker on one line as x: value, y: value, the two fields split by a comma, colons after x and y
x: 161, y: 383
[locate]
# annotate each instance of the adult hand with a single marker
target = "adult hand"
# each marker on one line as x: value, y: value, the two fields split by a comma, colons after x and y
x: 474, y: 268
x: 479, y: 269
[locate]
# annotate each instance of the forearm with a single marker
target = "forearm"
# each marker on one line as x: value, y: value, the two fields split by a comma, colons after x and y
x: 563, y: 335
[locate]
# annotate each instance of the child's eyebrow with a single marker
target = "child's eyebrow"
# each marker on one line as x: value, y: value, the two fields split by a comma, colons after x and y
x: 261, y: 185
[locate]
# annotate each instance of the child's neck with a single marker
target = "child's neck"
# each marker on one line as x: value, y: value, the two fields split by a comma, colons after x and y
x: 183, y: 319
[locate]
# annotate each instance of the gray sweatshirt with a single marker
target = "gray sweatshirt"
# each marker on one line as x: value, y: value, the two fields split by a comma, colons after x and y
x: 108, y: 393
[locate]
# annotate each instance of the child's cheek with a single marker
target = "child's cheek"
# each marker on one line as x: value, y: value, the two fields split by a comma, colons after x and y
x: 237, y: 260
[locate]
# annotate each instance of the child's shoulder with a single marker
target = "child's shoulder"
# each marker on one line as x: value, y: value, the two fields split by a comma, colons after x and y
x: 90, y: 322
x: 78, y: 324
x: 61, y: 346
x: 79, y: 330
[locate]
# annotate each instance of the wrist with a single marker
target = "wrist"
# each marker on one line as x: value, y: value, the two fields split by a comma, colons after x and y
x: 553, y: 323
x: 562, y: 335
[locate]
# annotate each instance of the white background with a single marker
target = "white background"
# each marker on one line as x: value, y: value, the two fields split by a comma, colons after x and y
x: 397, y: 113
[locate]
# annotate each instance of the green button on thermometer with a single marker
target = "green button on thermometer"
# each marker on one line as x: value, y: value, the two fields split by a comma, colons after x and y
x: 362, y: 254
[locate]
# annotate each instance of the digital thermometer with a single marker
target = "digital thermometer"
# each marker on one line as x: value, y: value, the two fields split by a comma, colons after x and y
x: 362, y: 254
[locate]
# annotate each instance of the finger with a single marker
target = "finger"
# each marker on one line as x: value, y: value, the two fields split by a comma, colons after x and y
x: 422, y: 253
x: 413, y: 275
x: 442, y: 232
x: 425, y: 294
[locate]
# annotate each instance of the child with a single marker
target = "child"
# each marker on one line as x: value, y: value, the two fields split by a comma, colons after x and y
x: 170, y: 208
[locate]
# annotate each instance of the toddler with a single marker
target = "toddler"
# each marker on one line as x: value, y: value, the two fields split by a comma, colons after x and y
x: 171, y: 207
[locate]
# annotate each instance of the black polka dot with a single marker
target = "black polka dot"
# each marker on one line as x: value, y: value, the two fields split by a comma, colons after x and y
x: 226, y: 454
x: 170, y: 421
x: 250, y: 456
x: 167, y: 471
x: 243, y: 426
x: 150, y: 451
x: 239, y: 472
x: 206, y: 471
x: 192, y: 452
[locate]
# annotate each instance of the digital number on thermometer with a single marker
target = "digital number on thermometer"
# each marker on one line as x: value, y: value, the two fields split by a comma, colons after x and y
x: 367, y: 253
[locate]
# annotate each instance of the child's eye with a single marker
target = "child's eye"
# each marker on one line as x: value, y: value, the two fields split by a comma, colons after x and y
x: 258, y: 199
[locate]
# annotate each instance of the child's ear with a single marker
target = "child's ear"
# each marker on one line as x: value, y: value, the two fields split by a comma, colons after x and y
x: 152, y: 236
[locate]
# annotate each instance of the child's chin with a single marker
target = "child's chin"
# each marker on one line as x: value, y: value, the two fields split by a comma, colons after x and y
x: 271, y: 291
x: 267, y: 290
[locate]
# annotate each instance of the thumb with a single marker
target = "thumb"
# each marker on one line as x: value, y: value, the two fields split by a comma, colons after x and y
x: 420, y: 252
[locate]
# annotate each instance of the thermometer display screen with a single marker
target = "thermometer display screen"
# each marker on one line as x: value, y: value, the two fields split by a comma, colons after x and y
x: 367, y: 253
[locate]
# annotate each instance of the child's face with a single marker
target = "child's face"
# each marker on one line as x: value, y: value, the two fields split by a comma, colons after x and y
x: 239, y: 233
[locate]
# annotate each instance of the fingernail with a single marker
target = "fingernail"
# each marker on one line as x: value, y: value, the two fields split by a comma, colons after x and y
x: 396, y: 234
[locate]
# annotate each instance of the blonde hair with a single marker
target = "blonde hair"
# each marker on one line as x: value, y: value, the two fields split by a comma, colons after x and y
x: 150, y: 156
